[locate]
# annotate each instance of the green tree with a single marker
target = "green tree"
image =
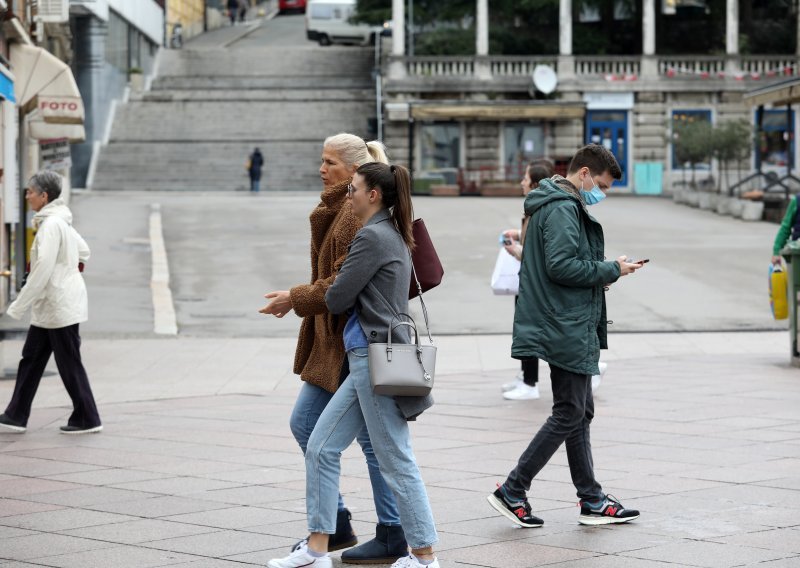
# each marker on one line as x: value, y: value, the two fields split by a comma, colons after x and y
x: 693, y: 143
x: 732, y: 141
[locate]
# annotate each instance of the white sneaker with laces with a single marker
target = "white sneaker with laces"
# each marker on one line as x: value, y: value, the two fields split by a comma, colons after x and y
x: 522, y: 392
x: 301, y: 559
x: 518, y: 380
x: 597, y: 378
x: 411, y: 561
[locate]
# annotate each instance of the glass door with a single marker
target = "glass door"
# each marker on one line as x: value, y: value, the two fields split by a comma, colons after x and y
x: 610, y: 128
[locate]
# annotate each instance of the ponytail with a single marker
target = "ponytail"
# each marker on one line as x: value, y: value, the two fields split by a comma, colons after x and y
x: 377, y: 151
x: 394, y: 183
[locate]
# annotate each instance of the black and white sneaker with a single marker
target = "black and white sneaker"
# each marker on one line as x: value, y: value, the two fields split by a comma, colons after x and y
x: 81, y: 430
x: 606, y: 512
x: 518, y: 512
x: 12, y: 425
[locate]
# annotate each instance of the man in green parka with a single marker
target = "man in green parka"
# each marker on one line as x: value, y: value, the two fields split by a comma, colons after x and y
x: 560, y: 317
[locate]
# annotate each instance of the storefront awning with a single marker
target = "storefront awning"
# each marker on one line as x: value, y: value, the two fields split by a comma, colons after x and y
x: 783, y: 93
x: 497, y: 111
x: 45, y: 84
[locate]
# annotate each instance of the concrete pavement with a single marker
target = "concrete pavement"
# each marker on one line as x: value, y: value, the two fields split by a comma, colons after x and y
x: 197, y: 467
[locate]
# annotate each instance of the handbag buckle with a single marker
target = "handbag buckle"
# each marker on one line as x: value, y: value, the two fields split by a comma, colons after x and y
x: 389, y: 354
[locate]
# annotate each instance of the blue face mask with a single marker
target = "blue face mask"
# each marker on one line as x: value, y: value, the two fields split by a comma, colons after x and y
x: 592, y: 196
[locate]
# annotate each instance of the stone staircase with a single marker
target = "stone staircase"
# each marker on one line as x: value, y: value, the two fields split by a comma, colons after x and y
x: 208, y: 109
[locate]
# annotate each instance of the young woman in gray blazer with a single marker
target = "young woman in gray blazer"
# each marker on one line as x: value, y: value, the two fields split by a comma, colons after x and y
x: 372, y: 288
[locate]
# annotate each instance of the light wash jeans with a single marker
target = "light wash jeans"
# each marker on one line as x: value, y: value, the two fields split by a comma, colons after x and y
x: 352, y: 407
x: 311, y: 401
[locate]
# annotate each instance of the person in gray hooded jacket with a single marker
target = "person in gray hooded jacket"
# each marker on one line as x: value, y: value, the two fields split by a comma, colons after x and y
x: 372, y: 288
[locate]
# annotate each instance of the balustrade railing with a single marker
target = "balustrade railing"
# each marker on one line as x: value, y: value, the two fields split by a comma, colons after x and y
x: 610, y: 65
x: 685, y: 66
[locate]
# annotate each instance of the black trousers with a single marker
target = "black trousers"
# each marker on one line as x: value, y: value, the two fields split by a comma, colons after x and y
x: 573, y: 410
x: 65, y: 343
x: 530, y: 371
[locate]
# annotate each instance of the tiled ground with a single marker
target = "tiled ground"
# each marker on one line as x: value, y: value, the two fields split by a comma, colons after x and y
x: 701, y: 432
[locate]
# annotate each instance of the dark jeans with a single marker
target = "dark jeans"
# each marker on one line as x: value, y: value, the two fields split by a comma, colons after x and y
x: 573, y: 410
x: 530, y: 371
x: 255, y: 185
x: 65, y: 343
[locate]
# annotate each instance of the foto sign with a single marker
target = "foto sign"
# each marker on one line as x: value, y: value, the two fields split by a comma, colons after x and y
x: 60, y: 110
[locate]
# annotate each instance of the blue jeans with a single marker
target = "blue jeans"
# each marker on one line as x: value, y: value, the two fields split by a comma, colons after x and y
x: 353, y: 407
x: 311, y: 401
x: 254, y: 185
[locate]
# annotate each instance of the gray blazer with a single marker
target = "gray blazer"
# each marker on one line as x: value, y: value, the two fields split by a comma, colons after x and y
x: 374, y: 281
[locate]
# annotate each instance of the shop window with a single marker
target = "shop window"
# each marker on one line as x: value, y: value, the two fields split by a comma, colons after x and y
x: 440, y: 145
x: 523, y: 142
x: 117, y: 42
x: 776, y: 138
x: 690, y: 123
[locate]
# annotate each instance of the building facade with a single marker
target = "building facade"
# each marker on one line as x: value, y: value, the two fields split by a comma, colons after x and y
x: 111, y: 41
x: 481, y: 118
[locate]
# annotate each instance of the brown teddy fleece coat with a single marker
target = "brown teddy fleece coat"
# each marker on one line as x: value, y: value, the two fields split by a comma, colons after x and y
x: 320, y: 346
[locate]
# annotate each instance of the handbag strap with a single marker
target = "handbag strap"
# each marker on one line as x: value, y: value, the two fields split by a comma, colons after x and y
x: 421, y: 301
x: 372, y: 285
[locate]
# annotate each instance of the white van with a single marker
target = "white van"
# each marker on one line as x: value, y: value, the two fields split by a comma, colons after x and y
x: 328, y: 21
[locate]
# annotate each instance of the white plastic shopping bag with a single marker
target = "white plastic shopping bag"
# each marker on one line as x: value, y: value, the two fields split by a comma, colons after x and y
x: 505, y: 278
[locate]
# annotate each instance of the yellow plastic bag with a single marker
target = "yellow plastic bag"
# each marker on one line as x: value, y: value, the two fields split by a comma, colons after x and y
x: 778, y: 294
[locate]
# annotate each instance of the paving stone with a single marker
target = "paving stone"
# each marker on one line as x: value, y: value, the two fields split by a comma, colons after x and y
x: 238, y: 517
x: 41, y: 545
x: 514, y: 554
x: 159, y: 506
x: 222, y: 543
x: 55, y: 521
x: 139, y: 531
x: 706, y: 554
x: 117, y: 556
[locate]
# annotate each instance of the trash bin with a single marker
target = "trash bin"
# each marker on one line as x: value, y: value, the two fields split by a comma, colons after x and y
x: 792, y: 256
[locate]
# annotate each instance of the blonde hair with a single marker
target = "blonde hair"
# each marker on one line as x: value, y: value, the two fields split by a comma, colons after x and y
x: 354, y: 151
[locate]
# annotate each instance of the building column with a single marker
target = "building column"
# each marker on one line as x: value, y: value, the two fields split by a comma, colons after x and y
x: 397, y: 67
x: 732, y: 36
x: 483, y: 69
x: 649, y: 66
x: 482, y: 28
x: 566, y: 63
x: 398, y: 28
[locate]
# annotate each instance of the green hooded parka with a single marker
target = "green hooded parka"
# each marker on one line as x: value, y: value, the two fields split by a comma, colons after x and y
x: 560, y: 316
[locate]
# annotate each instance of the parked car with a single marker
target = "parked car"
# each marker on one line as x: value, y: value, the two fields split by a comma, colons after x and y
x: 291, y: 6
x: 328, y: 21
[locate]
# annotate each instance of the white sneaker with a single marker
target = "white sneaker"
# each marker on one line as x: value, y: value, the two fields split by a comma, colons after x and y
x: 411, y: 561
x: 518, y: 380
x: 597, y: 378
x: 301, y: 559
x: 522, y: 392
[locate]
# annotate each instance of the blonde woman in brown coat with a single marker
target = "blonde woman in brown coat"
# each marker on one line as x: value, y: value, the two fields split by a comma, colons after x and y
x: 320, y: 357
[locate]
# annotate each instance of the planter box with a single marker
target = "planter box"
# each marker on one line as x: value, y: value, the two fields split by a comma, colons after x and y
x: 752, y: 210
x: 445, y: 190
x: 735, y: 206
x: 501, y: 190
x: 137, y: 82
x: 724, y: 204
x: 692, y: 198
x: 707, y: 201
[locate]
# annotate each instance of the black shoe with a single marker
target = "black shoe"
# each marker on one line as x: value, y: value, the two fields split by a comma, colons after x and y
x: 518, y: 512
x: 12, y: 425
x: 345, y: 537
x: 81, y: 430
x: 606, y: 512
x: 388, y: 545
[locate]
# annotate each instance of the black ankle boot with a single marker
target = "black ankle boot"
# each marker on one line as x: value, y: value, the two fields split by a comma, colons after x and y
x: 344, y: 537
x: 388, y: 545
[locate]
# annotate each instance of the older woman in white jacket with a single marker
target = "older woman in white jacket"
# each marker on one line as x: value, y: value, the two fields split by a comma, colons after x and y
x: 56, y: 293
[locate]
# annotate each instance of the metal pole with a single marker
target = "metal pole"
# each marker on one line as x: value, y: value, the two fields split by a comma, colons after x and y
x: 410, y: 140
x: 411, y: 28
x: 378, y: 86
x: 21, y: 236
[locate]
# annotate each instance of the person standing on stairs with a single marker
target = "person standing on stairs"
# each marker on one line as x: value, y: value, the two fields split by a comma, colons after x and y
x: 320, y: 358
x: 254, y: 165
